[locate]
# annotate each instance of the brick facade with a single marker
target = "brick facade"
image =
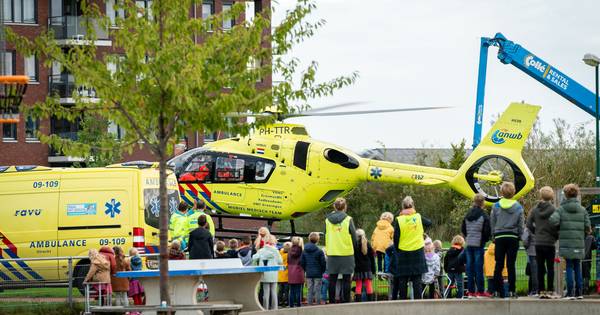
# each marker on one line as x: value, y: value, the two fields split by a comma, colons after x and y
x: 24, y: 152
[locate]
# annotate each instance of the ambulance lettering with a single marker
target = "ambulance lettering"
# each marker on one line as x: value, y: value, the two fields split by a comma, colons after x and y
x: 59, y: 244
x: 28, y: 212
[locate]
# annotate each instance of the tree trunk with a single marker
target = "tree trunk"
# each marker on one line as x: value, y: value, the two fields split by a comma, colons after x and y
x: 163, y: 235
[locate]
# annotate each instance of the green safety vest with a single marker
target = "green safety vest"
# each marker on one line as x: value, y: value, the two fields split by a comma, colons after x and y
x: 338, y: 240
x: 411, y: 232
x: 192, y: 222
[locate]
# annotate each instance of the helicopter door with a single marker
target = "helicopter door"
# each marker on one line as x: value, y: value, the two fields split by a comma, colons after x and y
x: 301, y: 154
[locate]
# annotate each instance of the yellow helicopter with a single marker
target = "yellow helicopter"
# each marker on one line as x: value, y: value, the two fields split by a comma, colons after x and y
x: 279, y: 172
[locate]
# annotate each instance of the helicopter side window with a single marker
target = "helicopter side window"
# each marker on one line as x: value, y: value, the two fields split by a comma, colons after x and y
x: 263, y: 170
x: 229, y: 169
x: 198, y: 169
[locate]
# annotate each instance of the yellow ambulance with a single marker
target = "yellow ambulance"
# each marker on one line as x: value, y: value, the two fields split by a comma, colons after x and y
x: 60, y: 212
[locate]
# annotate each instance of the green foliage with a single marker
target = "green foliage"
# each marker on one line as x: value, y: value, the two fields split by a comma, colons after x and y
x: 104, y: 148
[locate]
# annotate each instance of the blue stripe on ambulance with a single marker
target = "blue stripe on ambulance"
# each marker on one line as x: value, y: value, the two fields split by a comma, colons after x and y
x: 24, y: 265
x: 13, y: 270
x: 4, y: 276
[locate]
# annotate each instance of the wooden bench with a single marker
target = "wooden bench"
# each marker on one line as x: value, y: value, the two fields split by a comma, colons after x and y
x: 212, y: 309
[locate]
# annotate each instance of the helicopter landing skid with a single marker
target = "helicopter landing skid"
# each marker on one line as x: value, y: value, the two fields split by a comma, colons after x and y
x: 228, y: 232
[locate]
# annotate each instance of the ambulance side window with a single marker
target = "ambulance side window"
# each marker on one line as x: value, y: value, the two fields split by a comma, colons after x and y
x: 229, y: 169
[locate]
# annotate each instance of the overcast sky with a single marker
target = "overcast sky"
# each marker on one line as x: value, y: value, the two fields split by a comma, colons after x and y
x: 425, y: 53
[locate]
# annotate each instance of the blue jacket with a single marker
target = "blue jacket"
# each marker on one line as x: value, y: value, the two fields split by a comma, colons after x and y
x: 390, y: 255
x: 313, y: 261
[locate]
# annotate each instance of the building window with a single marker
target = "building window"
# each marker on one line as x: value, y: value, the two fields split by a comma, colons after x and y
x: 227, y: 23
x: 146, y: 5
x: 9, y: 132
x: 31, y: 128
x: 8, y: 63
x: 114, y: 13
x: 20, y: 11
x: 31, y: 68
x: 208, y: 9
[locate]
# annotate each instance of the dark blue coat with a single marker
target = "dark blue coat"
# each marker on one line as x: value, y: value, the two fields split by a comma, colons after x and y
x: 313, y: 261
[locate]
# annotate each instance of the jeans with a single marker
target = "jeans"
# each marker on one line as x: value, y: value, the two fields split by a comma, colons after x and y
x: 574, y: 266
x: 295, y: 295
x: 475, y: 269
x: 457, y: 278
x: 380, y: 261
x: 506, y: 248
x: 270, y: 294
x: 544, y: 256
x: 121, y: 299
x: 533, y: 272
x: 324, y: 289
x: 345, y: 288
x: 314, y: 290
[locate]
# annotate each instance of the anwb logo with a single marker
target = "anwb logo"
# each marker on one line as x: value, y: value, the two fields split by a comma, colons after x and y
x: 499, y: 136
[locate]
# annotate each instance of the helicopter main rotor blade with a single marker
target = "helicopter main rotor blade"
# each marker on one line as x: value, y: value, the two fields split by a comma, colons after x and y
x: 320, y: 109
x: 362, y: 112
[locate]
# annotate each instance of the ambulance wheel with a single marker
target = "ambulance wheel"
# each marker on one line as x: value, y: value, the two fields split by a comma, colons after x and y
x: 79, y: 273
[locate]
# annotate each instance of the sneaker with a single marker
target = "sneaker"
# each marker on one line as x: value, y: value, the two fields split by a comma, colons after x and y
x: 484, y: 295
x: 568, y: 298
x: 580, y: 297
x: 471, y: 295
x: 513, y: 295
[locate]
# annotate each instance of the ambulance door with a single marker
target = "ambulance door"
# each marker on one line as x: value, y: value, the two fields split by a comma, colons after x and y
x: 95, y: 209
x: 28, y: 225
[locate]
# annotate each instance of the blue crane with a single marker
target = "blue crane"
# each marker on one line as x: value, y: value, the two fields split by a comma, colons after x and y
x: 512, y: 53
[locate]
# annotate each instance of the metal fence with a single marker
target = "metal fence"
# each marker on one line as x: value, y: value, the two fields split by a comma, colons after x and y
x: 37, y: 282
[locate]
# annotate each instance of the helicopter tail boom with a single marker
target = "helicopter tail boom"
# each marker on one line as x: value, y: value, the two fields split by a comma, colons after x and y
x: 496, y: 159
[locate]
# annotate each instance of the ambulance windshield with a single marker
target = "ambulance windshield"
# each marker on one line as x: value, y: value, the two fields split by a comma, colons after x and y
x: 152, y: 205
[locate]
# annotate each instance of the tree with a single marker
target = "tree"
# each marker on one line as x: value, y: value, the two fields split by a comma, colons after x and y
x: 165, y: 83
x: 104, y: 148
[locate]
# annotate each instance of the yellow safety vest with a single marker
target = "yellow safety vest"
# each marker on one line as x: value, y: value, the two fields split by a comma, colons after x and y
x: 411, y: 232
x: 338, y: 240
x: 192, y: 222
x: 178, y: 226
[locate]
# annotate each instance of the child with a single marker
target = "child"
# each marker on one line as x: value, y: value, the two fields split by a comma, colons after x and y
x: 489, y: 263
x: 382, y: 235
x: 454, y: 264
x: 313, y: 262
x: 586, y: 265
x: 99, y: 272
x: 433, y: 267
x: 175, y: 252
x: 245, y: 251
x: 437, y: 245
x: 232, y: 251
x: 263, y: 234
x: 528, y: 239
x: 295, y: 272
x: 282, y: 277
x: 268, y: 255
x: 364, y: 262
x: 390, y: 269
x: 220, y: 250
x: 120, y: 285
x: 136, y: 290
x: 325, y: 282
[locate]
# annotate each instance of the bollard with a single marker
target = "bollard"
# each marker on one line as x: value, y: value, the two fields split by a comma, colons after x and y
x: 70, y: 277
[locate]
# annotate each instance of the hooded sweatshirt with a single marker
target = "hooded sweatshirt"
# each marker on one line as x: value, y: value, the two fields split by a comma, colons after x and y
x: 313, y: 261
x: 507, y: 219
x: 476, y: 227
x: 382, y: 236
x: 538, y: 222
x: 573, y: 221
x: 99, y: 270
x: 268, y: 256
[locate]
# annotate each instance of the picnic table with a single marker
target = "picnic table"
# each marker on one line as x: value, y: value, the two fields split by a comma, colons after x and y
x: 227, y: 281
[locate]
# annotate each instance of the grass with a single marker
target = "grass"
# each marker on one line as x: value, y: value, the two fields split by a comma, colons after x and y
x: 10, y: 308
x: 39, y: 293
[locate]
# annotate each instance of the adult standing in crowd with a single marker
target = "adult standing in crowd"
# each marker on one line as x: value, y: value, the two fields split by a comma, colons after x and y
x: 201, y: 241
x: 194, y: 214
x: 477, y: 231
x: 409, y: 228
x: 546, y: 235
x: 339, y: 241
x: 573, y: 223
x: 507, y: 225
x: 178, y: 229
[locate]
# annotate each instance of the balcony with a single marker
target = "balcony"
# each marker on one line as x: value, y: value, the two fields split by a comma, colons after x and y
x: 66, y: 130
x: 73, y: 30
x: 63, y: 85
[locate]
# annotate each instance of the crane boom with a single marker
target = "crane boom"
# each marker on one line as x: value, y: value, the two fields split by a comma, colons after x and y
x: 512, y: 53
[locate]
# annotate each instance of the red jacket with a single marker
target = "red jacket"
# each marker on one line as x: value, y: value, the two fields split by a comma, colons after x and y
x: 295, y: 270
x: 109, y: 254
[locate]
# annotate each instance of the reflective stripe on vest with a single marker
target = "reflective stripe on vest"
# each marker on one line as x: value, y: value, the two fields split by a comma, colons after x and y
x: 411, y: 232
x: 192, y: 222
x: 338, y: 240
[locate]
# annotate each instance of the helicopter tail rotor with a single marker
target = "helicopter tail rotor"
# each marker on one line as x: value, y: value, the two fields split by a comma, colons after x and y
x: 498, y: 159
